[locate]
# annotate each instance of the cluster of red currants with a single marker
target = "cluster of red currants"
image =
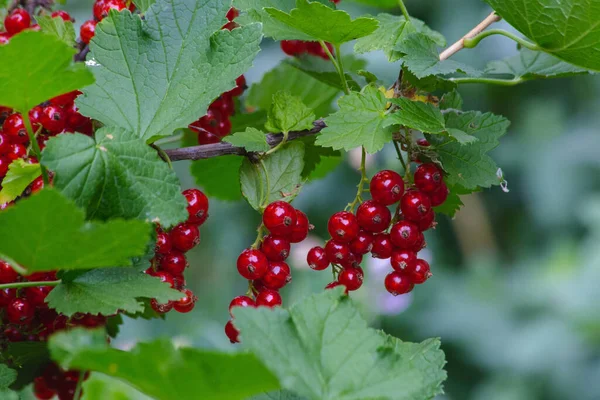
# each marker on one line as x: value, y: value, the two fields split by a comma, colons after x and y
x: 297, y: 48
x: 373, y: 230
x: 264, y: 267
x: 57, y: 381
x: 169, y: 262
x: 101, y: 9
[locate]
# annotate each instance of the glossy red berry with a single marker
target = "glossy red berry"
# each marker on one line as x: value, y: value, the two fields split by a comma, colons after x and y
x: 404, y: 234
x: 240, y: 87
x: 102, y: 7
x: 41, y: 389
x: 439, y: 196
x: 20, y: 311
x: 332, y: 285
x: 186, y: 303
x: 7, y: 273
x: 427, y: 222
x: 280, y: 218
x: 317, y: 259
x: 241, y: 301
x: 4, y: 164
x: 185, y: 237
x: 301, y: 228
x: 87, y: 31
x: 382, y: 246
x: 232, y: 13
x: 415, y: 205
x: 362, y: 243
x: 17, y: 151
x: 224, y: 104
x: 337, y: 252
x: 397, y: 283
x: 18, y: 20
x: 53, y: 119
x: 343, y: 226
x: 293, y: 47
x: 252, y: 264
x: 268, y: 298
x: 14, y: 128
x: 37, y: 295
x: 353, y: 261
x: 387, y: 187
x: 423, y: 143
x: 277, y: 276
x: 204, y: 136
x: 64, y: 99
x: 174, y: 263
x: 4, y: 144
x: 402, y: 258
x: 231, y: 25
x: 62, y: 14
x: 161, y: 308
x: 275, y: 248
x: 373, y: 216
x: 197, y: 206
x: 352, y: 278
x: 165, y: 277
x: 163, y: 243
x: 231, y: 332
x: 418, y: 271
x: 428, y: 177
x: 420, y: 243
x: 6, y: 296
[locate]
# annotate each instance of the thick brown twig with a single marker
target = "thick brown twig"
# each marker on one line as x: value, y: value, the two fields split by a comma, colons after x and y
x: 223, y: 148
x: 84, y: 49
x: 460, y: 44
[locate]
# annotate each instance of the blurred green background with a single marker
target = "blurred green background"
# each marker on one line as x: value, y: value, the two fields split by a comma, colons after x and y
x: 514, y: 295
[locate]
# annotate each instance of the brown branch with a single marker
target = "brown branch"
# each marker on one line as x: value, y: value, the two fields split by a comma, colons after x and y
x: 84, y: 49
x: 460, y: 44
x: 224, y: 148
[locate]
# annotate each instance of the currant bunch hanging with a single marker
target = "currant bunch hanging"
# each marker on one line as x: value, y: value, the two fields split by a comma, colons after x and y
x: 263, y: 264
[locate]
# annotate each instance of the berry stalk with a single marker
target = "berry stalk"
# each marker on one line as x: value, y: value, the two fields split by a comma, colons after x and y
x: 18, y: 285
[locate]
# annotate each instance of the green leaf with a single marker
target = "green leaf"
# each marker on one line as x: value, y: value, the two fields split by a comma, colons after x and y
x: 115, y: 175
x: 254, y: 11
x: 429, y: 83
x: 281, y: 181
x: 469, y: 165
x: 422, y: 59
x: 288, y: 113
x: 105, y: 291
x: 424, y: 117
x: 47, y: 231
x: 143, y: 5
x: 27, y: 358
x: 58, y: 27
x: 324, y: 71
x: 160, y: 73
x: 530, y: 64
x: 7, y: 376
x: 452, y: 100
x: 359, y: 122
x: 34, y: 67
x: 393, y: 29
x: 377, y: 3
x: 251, y: 140
x: 219, y: 177
x: 321, y: 345
x: 318, y: 161
x: 20, y: 175
x: 242, y: 121
x: 102, y: 387
x: 453, y: 203
x: 315, y: 95
x: 183, y: 372
x: 278, y: 395
x: 568, y: 29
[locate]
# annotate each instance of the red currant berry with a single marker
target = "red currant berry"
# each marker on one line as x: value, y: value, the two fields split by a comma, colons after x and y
x: 293, y: 47
x: 343, y: 226
x: 41, y: 276
x: 165, y: 277
x: 352, y: 278
x: 241, y: 301
x: 252, y: 264
x: 232, y: 13
x: 418, y: 271
x: 185, y: 237
x: 423, y: 142
x: 41, y: 389
x: 280, y: 218
x: 439, y: 196
x: 7, y: 273
x: 174, y: 263
x: 230, y: 26
x: 353, y: 261
x: 427, y: 222
x: 420, y: 243
x: 338, y: 253
x: 382, y: 246
x: 415, y: 205
x: 404, y: 234
x: 17, y: 151
x: 62, y: 14
x: 238, y: 90
x: 163, y: 243
x: 301, y: 228
x: 317, y: 259
x: 186, y: 303
x: 53, y: 119
x: 14, y: 128
x: 197, y: 206
x: 276, y: 249
x: 4, y: 163
x: 224, y: 127
x: 231, y: 332
x: 278, y: 275
x: 18, y: 20
x: 6, y: 296
x: 373, y: 217
x: 161, y: 308
x: 387, y: 187
x: 362, y: 243
x: 397, y: 283
x: 37, y: 295
x: 102, y: 7
x: 428, y: 178
x: 4, y: 144
x: 332, y: 285
x: 20, y: 311
x: 65, y: 99
x: 87, y: 31
x: 204, y: 136
x: 402, y: 258
x: 268, y: 298
x: 224, y: 104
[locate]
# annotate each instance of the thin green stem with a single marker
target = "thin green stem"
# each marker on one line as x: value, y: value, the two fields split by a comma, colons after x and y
x: 279, y: 145
x: 404, y: 10
x: 400, y: 155
x: 337, y: 64
x: 264, y: 168
x: 77, y: 395
x: 260, y: 232
x: 35, y: 146
x: 17, y: 285
x: 408, y: 141
x: 489, y: 81
x: 162, y: 154
x: 361, y: 185
x: 470, y: 43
